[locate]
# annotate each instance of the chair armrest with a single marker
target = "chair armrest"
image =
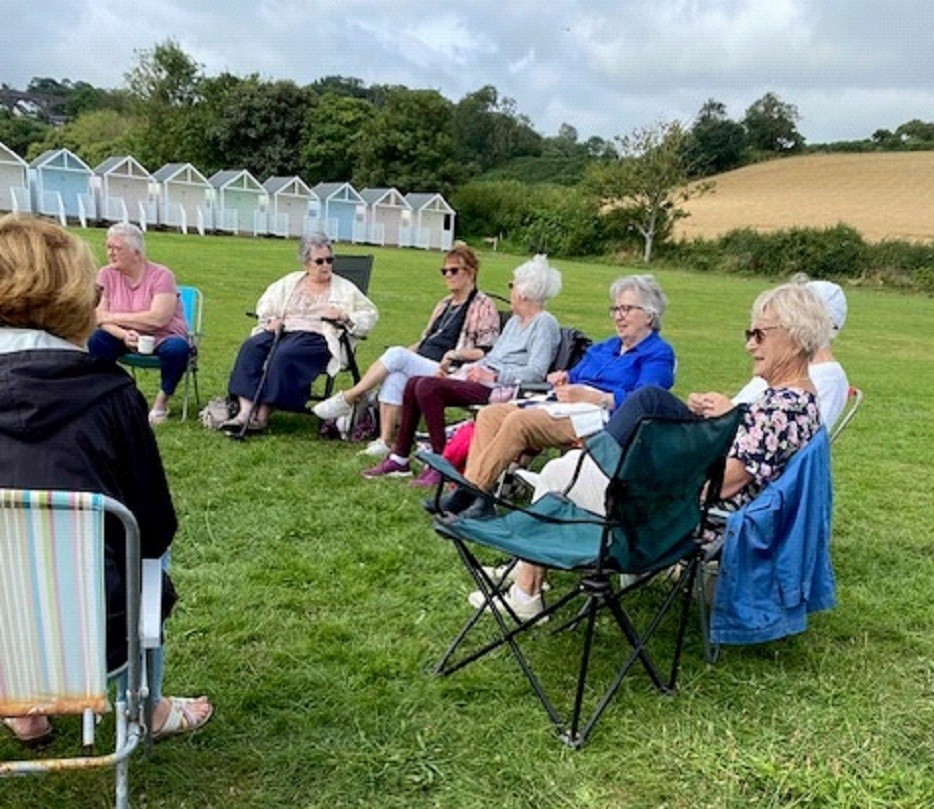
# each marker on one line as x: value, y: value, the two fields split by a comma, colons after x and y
x: 150, y: 613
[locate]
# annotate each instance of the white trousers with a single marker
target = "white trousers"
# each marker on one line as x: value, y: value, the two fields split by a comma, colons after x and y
x: 402, y: 364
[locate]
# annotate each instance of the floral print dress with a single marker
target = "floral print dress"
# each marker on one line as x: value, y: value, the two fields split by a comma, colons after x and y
x: 775, y: 426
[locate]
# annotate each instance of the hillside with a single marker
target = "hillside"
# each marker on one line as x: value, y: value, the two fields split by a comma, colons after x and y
x: 884, y: 196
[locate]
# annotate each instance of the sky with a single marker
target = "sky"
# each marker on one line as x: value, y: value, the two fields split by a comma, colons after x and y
x: 604, y: 66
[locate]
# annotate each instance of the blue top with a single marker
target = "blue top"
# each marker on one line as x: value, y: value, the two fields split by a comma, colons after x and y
x: 649, y: 362
x: 524, y: 353
x: 775, y: 566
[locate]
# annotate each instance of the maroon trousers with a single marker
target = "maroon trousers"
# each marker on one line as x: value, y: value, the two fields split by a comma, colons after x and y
x: 428, y: 396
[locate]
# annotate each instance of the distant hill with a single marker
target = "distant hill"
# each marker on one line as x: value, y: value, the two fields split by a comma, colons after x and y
x: 884, y: 196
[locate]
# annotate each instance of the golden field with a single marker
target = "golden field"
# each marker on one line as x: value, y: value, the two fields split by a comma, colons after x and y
x: 884, y: 196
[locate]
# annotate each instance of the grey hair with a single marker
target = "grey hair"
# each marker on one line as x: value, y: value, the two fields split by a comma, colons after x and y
x: 129, y: 234
x: 651, y: 297
x: 313, y: 241
x: 799, y: 310
x: 536, y: 280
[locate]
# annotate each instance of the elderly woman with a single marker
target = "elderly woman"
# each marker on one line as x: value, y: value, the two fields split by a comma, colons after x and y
x: 789, y: 325
x: 70, y: 421
x: 523, y: 353
x: 585, y: 396
x: 294, y: 341
x: 462, y: 327
x: 826, y: 373
x: 139, y: 297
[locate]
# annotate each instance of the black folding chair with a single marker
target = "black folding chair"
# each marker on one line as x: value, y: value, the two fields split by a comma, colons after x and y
x: 654, y: 518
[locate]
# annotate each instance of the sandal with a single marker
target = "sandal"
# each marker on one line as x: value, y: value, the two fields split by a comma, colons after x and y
x: 158, y: 415
x: 180, y: 719
x: 33, y: 739
x: 233, y: 425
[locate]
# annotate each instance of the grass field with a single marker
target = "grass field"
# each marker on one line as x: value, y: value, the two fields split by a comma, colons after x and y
x: 884, y: 196
x: 313, y: 603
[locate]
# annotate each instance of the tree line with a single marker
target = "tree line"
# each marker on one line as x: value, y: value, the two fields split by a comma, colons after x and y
x: 480, y: 151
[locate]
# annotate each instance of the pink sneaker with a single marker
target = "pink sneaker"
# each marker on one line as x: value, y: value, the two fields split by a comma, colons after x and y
x: 388, y: 468
x: 428, y: 478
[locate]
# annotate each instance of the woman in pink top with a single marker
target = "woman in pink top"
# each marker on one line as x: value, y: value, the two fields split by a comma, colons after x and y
x: 139, y: 297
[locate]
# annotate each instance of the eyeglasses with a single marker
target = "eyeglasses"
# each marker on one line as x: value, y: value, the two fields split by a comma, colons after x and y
x: 758, y: 334
x: 320, y: 261
x: 450, y: 270
x: 624, y: 309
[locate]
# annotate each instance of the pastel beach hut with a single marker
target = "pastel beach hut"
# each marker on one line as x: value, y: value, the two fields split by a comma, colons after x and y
x: 340, y: 212
x: 14, y: 182
x: 239, y: 203
x: 183, y: 193
x: 60, y: 184
x: 288, y: 207
x: 126, y: 191
x: 387, y: 212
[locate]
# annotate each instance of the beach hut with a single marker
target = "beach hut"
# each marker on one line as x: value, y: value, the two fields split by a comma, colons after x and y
x: 432, y: 224
x: 14, y: 182
x: 126, y: 191
x: 289, y: 199
x: 386, y: 212
x: 340, y: 212
x: 183, y: 197
x: 239, y: 202
x: 60, y: 184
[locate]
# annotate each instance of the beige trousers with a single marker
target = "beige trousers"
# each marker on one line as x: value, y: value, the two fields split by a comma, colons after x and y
x: 504, y: 431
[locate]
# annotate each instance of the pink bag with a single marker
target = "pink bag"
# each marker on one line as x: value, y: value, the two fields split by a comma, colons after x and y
x: 455, y: 451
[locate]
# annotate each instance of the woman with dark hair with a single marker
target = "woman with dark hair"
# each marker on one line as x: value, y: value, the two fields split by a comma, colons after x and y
x: 462, y: 327
x: 71, y: 421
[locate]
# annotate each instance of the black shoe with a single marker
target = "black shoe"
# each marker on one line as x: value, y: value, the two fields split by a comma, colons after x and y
x: 481, y: 509
x: 454, y: 502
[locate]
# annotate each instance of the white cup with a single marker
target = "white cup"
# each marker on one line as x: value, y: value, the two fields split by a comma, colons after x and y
x: 146, y: 344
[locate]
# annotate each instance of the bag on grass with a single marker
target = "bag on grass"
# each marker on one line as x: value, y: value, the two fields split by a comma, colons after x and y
x: 218, y: 410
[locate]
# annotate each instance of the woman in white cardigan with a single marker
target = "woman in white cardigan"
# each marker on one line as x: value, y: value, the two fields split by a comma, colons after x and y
x: 300, y: 304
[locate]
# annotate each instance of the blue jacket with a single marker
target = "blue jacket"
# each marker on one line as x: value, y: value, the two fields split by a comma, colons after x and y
x: 650, y: 362
x: 775, y: 565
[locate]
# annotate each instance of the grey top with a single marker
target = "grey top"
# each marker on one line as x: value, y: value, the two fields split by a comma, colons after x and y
x: 524, y: 353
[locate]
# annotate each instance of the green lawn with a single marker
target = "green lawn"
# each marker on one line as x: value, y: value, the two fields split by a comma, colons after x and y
x: 313, y: 602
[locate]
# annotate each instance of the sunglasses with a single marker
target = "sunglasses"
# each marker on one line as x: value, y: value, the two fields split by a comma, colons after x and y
x: 624, y: 309
x: 758, y: 334
x: 450, y: 270
x: 320, y: 261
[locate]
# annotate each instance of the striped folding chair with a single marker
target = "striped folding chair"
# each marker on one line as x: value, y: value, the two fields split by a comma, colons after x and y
x: 53, y: 622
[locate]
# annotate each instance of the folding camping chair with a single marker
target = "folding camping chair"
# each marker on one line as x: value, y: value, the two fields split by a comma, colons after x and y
x: 193, y: 305
x: 53, y: 626
x: 654, y: 519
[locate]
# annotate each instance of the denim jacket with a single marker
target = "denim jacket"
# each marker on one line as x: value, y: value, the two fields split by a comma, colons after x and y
x: 775, y: 565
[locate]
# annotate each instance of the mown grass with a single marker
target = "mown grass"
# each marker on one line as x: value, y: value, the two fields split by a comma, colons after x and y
x: 313, y: 603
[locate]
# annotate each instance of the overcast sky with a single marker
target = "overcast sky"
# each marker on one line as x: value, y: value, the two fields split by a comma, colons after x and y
x: 604, y: 66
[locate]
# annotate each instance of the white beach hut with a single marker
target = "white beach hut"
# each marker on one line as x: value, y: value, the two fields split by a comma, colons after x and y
x: 432, y: 226
x: 126, y: 191
x: 14, y: 182
x: 183, y: 197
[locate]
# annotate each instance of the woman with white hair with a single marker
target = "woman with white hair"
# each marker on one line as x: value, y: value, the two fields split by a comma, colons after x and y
x: 294, y: 341
x: 523, y: 353
x: 139, y: 297
x: 826, y: 373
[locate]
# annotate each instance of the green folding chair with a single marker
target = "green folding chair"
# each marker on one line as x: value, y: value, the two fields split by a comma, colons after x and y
x: 654, y: 517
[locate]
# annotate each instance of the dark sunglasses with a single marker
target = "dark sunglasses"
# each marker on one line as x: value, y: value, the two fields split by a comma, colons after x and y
x: 328, y: 260
x: 758, y: 334
x: 450, y: 270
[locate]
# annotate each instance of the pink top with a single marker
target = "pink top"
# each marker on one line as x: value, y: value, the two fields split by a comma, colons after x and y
x: 156, y: 279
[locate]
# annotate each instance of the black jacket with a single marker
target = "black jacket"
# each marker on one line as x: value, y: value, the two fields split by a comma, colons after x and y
x: 70, y: 421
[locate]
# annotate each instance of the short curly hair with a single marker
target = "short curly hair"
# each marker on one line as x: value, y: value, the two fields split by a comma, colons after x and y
x: 46, y: 279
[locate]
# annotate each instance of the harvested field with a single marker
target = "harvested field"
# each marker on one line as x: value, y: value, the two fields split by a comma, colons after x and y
x: 884, y: 196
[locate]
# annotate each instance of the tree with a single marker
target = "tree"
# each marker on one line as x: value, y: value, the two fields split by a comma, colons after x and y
x: 915, y: 132
x: 770, y: 125
x: 409, y: 144
x: 716, y: 143
x: 649, y: 181
x: 332, y: 135
x: 19, y: 133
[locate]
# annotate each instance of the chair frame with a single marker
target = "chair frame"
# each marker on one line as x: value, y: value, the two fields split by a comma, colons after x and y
x: 596, y: 583
x: 193, y: 304
x: 130, y: 727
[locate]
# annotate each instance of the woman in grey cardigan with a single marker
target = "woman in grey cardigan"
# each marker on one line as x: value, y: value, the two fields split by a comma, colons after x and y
x: 523, y: 353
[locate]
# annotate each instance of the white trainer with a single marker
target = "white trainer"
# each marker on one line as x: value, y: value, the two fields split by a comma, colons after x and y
x: 376, y: 449
x: 333, y: 407
x: 523, y: 609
